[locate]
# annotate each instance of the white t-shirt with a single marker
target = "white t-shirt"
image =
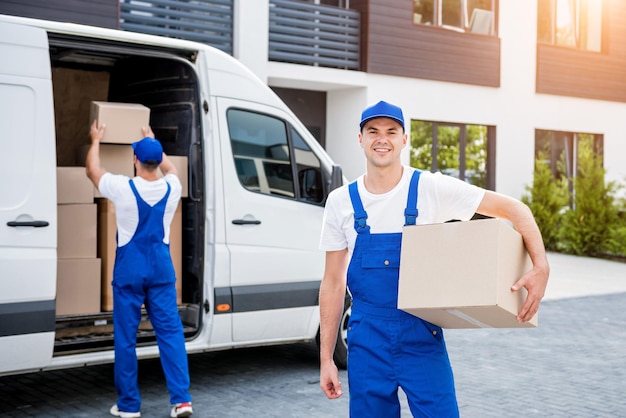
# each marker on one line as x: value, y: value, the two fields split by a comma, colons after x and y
x: 440, y: 199
x: 115, y: 187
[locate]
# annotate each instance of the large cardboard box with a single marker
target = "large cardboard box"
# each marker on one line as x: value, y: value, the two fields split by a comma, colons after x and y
x: 73, y: 186
x: 459, y: 274
x: 114, y: 158
x: 123, y: 121
x: 78, y: 286
x: 107, y: 245
x: 181, y: 167
x: 77, y: 231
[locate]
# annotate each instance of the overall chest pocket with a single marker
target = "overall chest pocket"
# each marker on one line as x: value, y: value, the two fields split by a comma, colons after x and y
x: 381, y: 259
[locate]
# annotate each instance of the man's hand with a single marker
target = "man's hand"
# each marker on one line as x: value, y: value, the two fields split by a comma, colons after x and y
x: 535, y: 282
x: 147, y: 132
x: 329, y: 380
x: 96, y: 133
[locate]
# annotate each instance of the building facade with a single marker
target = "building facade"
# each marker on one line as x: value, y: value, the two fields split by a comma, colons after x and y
x: 485, y: 84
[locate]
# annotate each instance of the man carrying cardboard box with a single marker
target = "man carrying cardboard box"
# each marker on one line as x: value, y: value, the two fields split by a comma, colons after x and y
x: 361, y: 234
x: 143, y: 271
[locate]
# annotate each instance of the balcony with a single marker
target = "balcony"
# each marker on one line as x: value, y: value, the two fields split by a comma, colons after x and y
x: 299, y: 32
x: 313, y: 34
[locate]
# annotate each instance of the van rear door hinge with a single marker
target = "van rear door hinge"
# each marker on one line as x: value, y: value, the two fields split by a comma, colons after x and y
x: 205, y: 106
x: 207, y: 306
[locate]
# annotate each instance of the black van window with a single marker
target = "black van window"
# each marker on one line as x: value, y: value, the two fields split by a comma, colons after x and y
x: 269, y: 153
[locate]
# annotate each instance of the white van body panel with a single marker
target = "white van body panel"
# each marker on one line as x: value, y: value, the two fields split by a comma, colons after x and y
x: 282, y: 250
x: 27, y: 194
x: 270, y: 252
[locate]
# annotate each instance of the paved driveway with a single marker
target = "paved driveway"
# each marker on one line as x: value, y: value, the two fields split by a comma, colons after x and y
x: 572, y: 365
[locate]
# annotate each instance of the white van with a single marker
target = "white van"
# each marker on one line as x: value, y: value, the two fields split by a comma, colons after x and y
x: 257, y: 184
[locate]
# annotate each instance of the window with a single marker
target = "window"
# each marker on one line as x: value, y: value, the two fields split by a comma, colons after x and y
x: 561, y: 149
x: 272, y: 158
x: 570, y: 23
x: 475, y: 16
x: 458, y: 150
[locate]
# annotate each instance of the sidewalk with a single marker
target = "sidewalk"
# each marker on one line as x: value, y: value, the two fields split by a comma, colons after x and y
x: 573, y: 276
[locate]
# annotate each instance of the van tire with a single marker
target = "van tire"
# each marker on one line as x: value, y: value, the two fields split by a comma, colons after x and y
x: 340, y: 356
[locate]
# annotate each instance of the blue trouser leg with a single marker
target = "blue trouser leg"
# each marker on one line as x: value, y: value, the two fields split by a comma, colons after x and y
x: 126, y: 317
x: 163, y: 314
x: 400, y: 351
x: 371, y: 377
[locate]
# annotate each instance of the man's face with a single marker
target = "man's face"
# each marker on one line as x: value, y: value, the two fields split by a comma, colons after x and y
x: 382, y: 139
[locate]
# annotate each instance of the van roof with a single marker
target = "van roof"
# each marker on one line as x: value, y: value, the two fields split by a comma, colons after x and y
x: 106, y: 33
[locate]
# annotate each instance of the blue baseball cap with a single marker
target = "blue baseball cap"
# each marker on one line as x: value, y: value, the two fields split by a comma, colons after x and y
x: 148, y: 151
x: 382, y: 110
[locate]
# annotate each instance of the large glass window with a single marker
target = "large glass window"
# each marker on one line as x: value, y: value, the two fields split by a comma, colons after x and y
x: 560, y: 150
x: 570, y: 23
x: 272, y: 158
x: 475, y: 16
x: 459, y: 150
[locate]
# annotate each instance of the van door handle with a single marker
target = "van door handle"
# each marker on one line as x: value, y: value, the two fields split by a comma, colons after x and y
x: 246, y: 222
x: 35, y: 224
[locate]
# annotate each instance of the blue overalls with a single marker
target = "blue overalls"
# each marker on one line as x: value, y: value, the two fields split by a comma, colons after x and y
x: 389, y: 348
x: 144, y: 274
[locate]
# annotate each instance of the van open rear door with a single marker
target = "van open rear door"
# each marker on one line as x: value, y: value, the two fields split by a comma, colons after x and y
x: 28, y: 218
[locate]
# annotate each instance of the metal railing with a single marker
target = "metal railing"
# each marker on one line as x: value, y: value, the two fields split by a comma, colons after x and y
x: 206, y: 21
x: 313, y: 34
x: 299, y: 32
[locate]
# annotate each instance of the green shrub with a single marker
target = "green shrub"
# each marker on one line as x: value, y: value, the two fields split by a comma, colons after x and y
x: 587, y: 227
x: 547, y: 199
x: 617, y: 235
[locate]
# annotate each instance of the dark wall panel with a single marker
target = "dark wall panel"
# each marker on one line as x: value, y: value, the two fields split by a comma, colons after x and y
x: 571, y: 72
x: 393, y: 45
x: 310, y: 107
x: 103, y: 13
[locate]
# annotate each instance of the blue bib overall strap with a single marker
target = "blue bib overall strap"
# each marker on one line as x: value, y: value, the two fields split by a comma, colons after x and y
x: 411, y: 212
x: 360, y: 216
x: 144, y: 274
x: 389, y: 348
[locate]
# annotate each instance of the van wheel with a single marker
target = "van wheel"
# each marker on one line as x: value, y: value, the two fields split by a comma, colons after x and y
x: 340, y: 356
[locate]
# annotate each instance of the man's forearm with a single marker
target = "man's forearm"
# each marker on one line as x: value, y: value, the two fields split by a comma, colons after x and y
x: 331, y: 308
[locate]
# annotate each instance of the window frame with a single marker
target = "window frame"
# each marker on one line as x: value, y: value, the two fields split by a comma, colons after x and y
x: 570, y: 148
x: 294, y: 165
x: 549, y: 35
x: 465, y: 25
x: 490, y: 149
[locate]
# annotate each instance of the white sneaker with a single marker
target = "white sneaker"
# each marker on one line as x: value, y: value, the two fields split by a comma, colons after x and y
x: 115, y: 411
x: 181, y: 410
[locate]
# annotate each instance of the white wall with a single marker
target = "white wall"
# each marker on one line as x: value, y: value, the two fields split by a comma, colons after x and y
x: 251, y: 37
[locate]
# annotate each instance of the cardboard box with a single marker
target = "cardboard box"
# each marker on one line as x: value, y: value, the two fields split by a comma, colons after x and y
x: 123, y: 121
x: 459, y: 274
x: 114, y: 158
x: 107, y: 246
x: 73, y: 186
x: 181, y: 167
x: 78, y: 286
x: 77, y: 230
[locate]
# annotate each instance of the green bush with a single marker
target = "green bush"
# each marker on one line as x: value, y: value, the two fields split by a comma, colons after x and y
x: 587, y: 228
x: 617, y: 235
x: 547, y: 199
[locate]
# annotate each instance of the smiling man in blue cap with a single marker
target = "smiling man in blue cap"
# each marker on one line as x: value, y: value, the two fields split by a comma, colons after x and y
x: 361, y: 234
x: 143, y: 272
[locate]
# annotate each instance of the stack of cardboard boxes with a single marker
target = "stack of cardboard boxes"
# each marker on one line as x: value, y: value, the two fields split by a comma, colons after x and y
x: 78, y: 268
x: 88, y: 229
